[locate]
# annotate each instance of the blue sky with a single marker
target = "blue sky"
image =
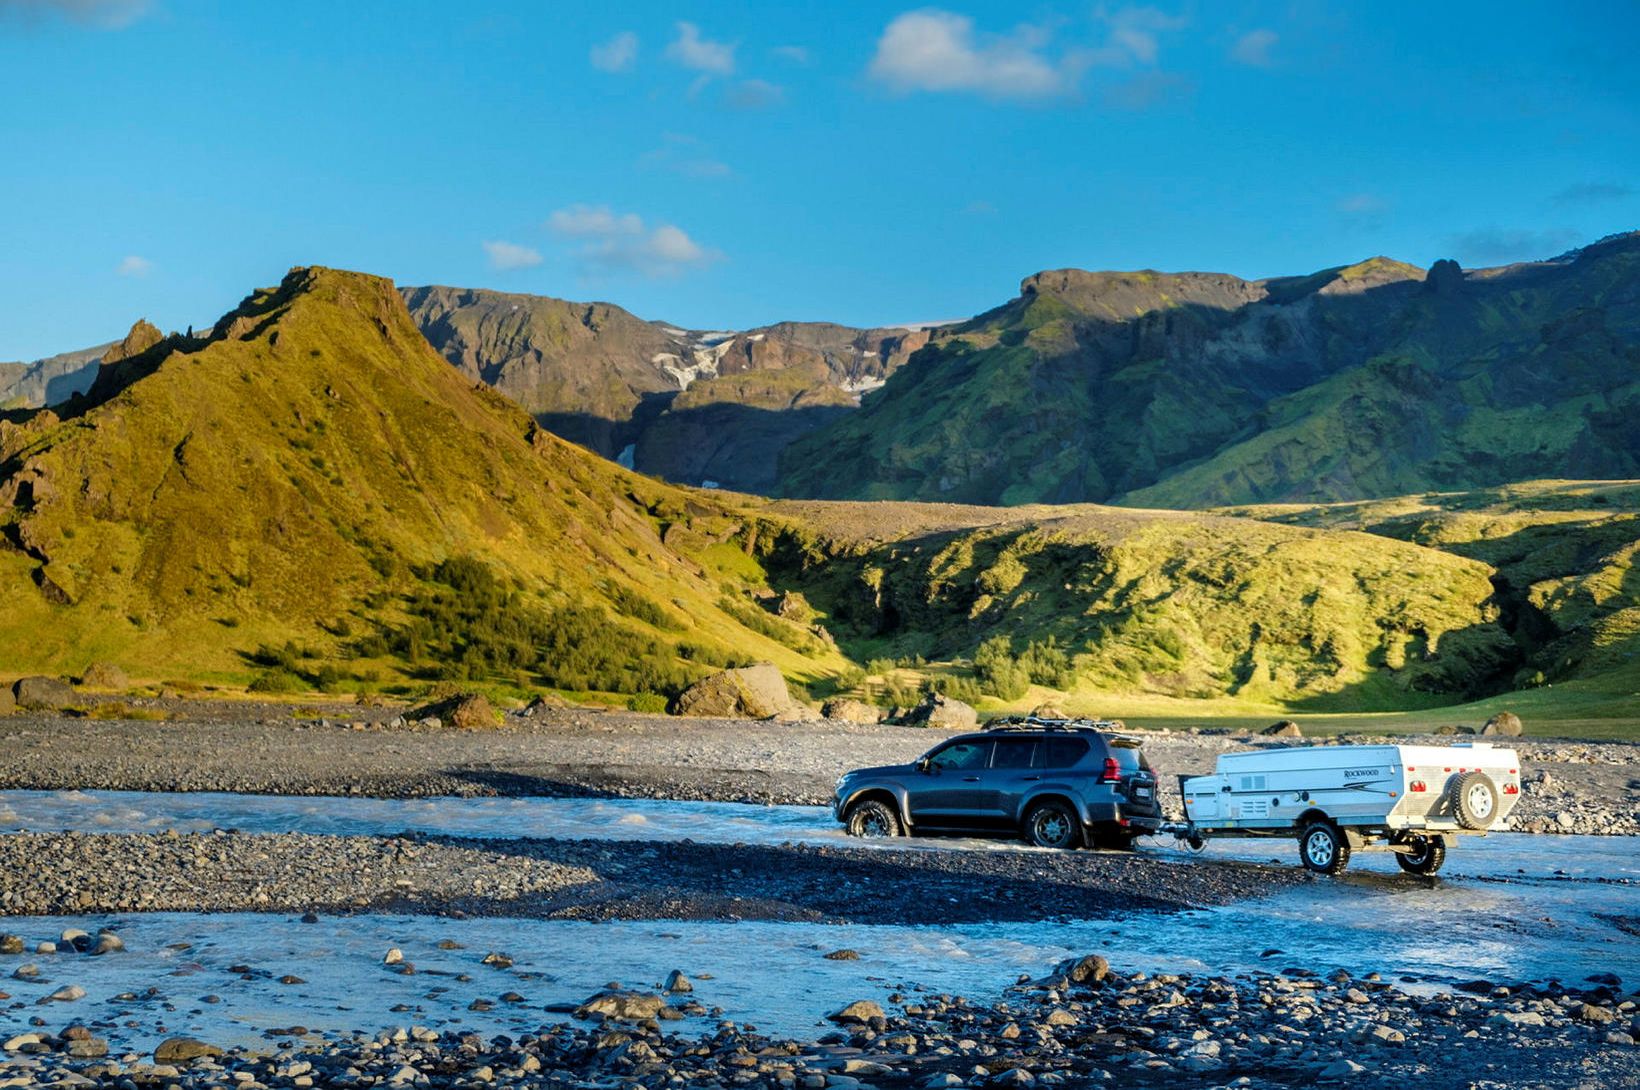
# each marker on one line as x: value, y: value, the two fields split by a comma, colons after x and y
x: 731, y: 164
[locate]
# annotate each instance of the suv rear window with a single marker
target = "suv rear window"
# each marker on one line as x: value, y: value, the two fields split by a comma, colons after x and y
x: 1060, y: 752
x: 1127, y: 753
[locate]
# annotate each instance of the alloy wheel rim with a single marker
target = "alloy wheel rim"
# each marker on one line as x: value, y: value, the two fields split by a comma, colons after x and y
x: 1319, y: 848
x: 1052, y: 828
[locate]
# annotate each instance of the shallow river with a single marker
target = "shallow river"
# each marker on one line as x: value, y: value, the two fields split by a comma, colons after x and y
x: 1507, y: 907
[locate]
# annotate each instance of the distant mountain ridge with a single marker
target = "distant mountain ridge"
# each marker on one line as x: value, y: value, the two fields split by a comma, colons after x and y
x: 1195, y: 389
x: 49, y: 381
x: 690, y: 406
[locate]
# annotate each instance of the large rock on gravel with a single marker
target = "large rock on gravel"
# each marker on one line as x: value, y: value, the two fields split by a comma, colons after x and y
x: 105, y: 675
x: 858, y: 1013
x: 1090, y: 969
x: 1049, y: 711
x: 183, y: 1051
x: 1507, y: 724
x: 44, y: 693
x: 8, y: 700
x: 1284, y: 729
x: 849, y: 710
x: 748, y: 692
x: 939, y: 710
x: 622, y: 1006
x: 464, y: 711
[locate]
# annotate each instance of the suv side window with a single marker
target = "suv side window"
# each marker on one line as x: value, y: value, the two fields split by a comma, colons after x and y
x: 1014, y: 752
x: 1061, y: 752
x: 962, y: 755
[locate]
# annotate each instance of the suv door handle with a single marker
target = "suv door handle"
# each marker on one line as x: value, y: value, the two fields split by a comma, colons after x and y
x: 970, y: 779
x: 1030, y: 778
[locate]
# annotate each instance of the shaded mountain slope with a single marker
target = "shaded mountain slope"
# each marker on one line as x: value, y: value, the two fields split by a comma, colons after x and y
x: 1186, y: 390
x: 687, y: 406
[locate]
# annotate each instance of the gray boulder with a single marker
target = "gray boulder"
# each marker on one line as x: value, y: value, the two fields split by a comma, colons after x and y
x: 105, y: 675
x: 1284, y: 729
x: 183, y: 1050
x: 621, y: 1006
x: 850, y: 710
x: 942, y: 711
x: 45, y: 694
x: 1507, y: 724
x: 749, y: 692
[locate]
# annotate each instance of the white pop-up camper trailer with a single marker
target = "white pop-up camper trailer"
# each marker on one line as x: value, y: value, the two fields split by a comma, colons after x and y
x: 1411, y: 800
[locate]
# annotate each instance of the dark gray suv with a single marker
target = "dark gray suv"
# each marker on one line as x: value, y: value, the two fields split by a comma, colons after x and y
x: 1058, y: 783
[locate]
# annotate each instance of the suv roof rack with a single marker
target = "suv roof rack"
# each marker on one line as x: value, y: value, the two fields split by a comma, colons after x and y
x: 1036, y: 723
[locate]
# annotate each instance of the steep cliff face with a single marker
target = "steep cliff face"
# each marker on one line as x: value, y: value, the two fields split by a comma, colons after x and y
x: 686, y: 405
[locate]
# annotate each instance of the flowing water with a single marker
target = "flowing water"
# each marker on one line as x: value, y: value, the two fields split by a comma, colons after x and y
x: 1507, y: 907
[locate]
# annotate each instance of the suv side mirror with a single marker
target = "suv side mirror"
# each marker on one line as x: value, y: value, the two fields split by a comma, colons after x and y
x: 924, y: 765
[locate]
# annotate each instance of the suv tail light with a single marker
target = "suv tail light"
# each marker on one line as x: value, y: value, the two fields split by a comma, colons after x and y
x: 1112, y: 772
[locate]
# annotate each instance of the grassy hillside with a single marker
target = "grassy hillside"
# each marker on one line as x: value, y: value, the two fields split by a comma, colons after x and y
x: 1563, y: 555
x: 1194, y: 390
x: 311, y: 495
x: 1173, y: 605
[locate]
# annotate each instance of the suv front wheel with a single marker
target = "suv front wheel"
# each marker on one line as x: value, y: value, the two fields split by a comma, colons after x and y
x: 1053, y: 825
x: 872, y: 818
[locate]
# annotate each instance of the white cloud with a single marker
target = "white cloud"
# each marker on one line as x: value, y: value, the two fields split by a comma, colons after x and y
x: 1361, y: 204
x: 605, y: 241
x: 1253, y: 48
x: 796, y: 54
x: 132, y: 265
x: 755, y: 94
x: 616, y: 55
x: 934, y: 50
x: 1134, y: 35
x: 103, y: 14
x: 507, y: 256
x: 1504, y: 245
x: 685, y: 155
x: 692, y: 51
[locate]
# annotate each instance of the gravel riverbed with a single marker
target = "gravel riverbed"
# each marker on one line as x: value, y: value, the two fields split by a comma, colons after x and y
x: 592, y: 879
x: 261, y: 748
x: 1082, y: 1025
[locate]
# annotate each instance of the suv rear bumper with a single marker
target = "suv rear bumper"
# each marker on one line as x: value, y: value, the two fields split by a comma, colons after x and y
x: 1111, y: 813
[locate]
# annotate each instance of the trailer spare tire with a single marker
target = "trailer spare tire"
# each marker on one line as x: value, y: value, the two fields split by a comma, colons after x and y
x: 1475, y: 800
x: 1323, y: 849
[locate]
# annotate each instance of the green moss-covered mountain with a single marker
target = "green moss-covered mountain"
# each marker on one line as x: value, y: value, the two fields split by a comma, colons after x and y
x: 686, y: 405
x: 310, y: 493
x: 1191, y: 390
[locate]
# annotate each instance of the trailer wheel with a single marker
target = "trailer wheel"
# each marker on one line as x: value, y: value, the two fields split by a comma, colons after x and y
x: 872, y: 818
x: 1426, y: 858
x: 1475, y: 800
x: 1053, y: 825
x: 1323, y: 849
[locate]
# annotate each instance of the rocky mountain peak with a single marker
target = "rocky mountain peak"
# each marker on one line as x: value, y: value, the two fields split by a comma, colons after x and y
x: 143, y: 336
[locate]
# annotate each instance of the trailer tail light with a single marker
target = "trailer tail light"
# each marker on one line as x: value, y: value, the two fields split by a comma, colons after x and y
x: 1510, y: 789
x: 1417, y: 786
x: 1112, y: 772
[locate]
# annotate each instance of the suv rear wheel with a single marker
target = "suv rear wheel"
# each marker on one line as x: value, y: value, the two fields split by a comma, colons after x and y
x: 872, y: 818
x: 1053, y: 824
